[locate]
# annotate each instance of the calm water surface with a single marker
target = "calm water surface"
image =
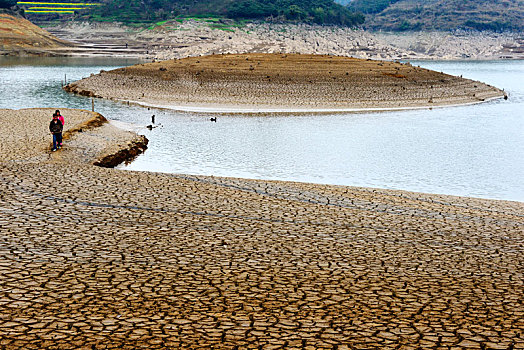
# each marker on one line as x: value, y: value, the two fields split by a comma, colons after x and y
x: 472, y: 150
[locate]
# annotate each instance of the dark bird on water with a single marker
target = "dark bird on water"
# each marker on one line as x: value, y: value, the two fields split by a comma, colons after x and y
x: 213, y: 119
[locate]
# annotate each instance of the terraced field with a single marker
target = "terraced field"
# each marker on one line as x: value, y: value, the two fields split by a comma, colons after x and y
x: 61, y: 8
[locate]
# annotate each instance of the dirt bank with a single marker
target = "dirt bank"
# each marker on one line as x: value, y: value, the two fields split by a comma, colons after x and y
x: 283, y: 82
x: 179, y: 39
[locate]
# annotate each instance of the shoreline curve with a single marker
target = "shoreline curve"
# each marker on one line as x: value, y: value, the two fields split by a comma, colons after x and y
x: 239, y: 110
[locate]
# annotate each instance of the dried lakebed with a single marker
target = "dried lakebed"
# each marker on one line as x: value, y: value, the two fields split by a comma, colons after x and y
x: 101, y: 258
x: 285, y: 82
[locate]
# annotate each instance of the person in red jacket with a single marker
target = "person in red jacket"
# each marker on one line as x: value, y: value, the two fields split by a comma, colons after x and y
x: 57, y: 112
x: 56, y: 127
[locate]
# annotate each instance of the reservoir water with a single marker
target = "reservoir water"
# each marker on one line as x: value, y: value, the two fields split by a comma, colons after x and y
x: 475, y: 150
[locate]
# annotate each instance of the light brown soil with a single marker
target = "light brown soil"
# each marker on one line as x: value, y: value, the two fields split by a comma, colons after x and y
x: 88, y: 137
x: 18, y: 36
x: 286, y: 81
x: 95, y: 258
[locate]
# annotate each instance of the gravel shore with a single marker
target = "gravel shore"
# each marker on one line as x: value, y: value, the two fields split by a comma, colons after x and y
x: 96, y: 258
x: 283, y: 82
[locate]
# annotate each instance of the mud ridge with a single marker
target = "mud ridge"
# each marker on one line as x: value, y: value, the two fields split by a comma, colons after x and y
x: 136, y: 147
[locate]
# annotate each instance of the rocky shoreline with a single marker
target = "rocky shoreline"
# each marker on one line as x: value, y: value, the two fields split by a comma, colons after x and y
x: 102, y: 258
x: 283, y: 82
x: 190, y: 38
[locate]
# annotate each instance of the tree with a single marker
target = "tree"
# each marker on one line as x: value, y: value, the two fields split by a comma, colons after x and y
x: 251, y: 9
x: 319, y: 15
x: 295, y: 12
x: 5, y: 4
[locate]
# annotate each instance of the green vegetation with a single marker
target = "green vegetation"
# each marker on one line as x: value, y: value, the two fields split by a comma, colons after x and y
x: 153, y: 11
x: 46, y: 8
x: 407, y: 25
x: 129, y: 11
x: 496, y: 26
x: 310, y: 11
x: 5, y: 4
x: 402, y: 15
x: 393, y: 15
x: 370, y: 6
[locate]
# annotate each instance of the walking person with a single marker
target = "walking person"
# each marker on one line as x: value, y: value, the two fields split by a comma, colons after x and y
x: 56, y: 127
x: 57, y: 112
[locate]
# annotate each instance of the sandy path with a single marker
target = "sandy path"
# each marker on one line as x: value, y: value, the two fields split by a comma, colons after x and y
x: 100, y: 258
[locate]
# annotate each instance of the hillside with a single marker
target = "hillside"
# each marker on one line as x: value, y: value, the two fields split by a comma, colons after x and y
x: 403, y: 15
x: 150, y: 11
x: 19, y: 36
x: 173, y: 39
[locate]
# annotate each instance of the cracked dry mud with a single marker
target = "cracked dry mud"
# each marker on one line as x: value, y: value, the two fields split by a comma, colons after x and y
x: 95, y: 258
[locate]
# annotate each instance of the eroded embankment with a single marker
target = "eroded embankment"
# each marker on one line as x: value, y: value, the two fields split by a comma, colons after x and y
x: 113, y: 155
x: 286, y: 81
x: 133, y: 149
x: 191, y: 38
